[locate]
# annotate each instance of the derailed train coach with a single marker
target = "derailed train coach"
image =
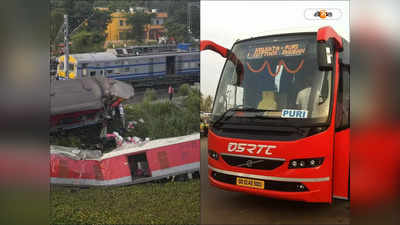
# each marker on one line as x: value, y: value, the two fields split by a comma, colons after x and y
x: 128, y: 164
x: 142, y: 69
x: 84, y: 102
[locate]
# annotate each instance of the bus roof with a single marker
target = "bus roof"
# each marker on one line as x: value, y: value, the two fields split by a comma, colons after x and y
x: 293, y: 30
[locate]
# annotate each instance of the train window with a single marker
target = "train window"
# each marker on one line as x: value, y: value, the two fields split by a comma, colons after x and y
x: 126, y: 69
x: 93, y: 73
x: 84, y: 65
x: 101, y: 72
x: 109, y: 71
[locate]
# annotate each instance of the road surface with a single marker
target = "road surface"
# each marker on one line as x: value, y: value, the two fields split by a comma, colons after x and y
x: 225, y: 207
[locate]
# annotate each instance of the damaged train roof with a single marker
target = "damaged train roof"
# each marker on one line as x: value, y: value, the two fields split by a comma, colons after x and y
x: 68, y: 96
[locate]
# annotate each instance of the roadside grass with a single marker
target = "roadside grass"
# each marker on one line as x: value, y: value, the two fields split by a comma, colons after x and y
x: 150, y: 203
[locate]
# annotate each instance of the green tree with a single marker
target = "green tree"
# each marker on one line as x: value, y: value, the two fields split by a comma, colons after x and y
x: 86, y: 41
x: 208, y: 101
x: 119, y: 5
x: 184, y: 90
x: 138, y: 21
x: 77, y: 12
x: 176, y: 30
x: 150, y: 95
x: 195, y: 23
x: 98, y: 21
x: 177, y: 22
x: 86, y: 24
x: 56, y: 22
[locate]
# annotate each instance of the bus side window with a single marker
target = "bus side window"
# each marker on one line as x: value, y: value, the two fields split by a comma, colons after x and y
x: 343, y: 101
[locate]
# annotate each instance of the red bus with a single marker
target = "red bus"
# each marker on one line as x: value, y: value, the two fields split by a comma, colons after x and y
x: 280, y: 124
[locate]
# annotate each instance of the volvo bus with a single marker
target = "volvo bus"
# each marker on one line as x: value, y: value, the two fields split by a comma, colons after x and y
x: 280, y: 123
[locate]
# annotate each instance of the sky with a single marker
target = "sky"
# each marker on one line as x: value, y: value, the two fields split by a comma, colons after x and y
x: 226, y: 21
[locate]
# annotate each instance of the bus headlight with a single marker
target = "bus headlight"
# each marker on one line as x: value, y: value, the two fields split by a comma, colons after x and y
x: 213, y: 154
x: 305, y: 163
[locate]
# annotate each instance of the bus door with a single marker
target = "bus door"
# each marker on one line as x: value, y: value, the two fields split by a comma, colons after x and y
x: 341, y: 166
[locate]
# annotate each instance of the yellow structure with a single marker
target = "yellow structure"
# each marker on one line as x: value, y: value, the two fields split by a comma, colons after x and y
x: 119, y: 25
x: 72, y: 68
x: 156, y: 28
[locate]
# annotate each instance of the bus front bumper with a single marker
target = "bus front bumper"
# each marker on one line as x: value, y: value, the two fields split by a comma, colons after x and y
x: 294, y: 189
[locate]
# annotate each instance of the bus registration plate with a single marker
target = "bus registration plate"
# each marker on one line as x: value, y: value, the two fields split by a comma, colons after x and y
x: 249, y: 183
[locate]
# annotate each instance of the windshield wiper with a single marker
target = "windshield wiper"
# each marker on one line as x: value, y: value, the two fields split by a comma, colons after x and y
x: 225, y: 116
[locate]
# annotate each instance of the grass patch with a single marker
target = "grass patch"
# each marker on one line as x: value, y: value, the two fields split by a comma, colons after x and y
x: 164, y: 119
x: 150, y: 203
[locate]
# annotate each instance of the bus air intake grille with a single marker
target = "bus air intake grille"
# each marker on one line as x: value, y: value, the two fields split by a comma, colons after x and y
x: 252, y: 162
x: 268, y: 185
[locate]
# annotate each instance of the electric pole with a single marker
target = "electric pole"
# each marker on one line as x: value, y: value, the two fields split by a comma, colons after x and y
x: 189, y: 16
x: 66, y: 47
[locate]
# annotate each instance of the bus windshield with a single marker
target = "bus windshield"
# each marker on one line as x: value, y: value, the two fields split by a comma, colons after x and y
x: 281, y: 81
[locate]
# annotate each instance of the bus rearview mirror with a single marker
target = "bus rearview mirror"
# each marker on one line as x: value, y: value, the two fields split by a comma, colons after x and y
x: 325, y: 56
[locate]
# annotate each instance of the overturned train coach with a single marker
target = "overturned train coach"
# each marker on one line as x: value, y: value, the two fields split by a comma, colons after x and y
x: 128, y: 164
x: 141, y: 69
x: 83, y: 102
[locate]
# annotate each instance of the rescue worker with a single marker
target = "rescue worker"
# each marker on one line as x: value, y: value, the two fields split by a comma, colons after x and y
x: 170, y: 92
